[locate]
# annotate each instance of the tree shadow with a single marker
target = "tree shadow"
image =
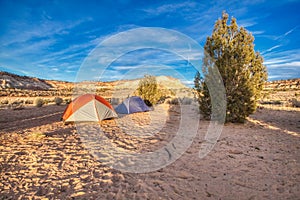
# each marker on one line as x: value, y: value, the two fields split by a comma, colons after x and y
x: 283, y: 120
x: 18, y: 120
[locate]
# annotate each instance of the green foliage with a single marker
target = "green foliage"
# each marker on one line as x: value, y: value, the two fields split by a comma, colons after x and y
x: 28, y: 101
x: 58, y: 101
x: 202, y: 95
x: 148, y: 89
x: 17, y: 105
x: 173, y: 101
x: 186, y: 101
x: 115, y: 101
x: 67, y: 100
x: 148, y: 103
x: 295, y: 103
x: 39, y: 102
x: 163, y: 99
x: 231, y: 50
x: 18, y: 101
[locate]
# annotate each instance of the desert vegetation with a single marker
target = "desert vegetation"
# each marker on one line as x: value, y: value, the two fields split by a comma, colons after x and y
x: 230, y: 49
x: 152, y: 92
x: 42, y: 158
x: 276, y: 94
x: 39, y: 102
x: 148, y: 90
x: 50, y: 160
x: 58, y: 101
x: 164, y: 152
x: 15, y: 90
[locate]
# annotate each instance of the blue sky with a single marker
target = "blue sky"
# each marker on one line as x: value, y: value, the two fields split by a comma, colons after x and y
x: 51, y: 39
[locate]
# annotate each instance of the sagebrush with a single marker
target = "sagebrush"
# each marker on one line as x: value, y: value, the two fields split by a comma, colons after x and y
x: 39, y: 102
x: 58, y: 101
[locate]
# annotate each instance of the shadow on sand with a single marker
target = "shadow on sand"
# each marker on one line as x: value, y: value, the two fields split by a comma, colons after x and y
x: 29, y: 117
x: 280, y: 120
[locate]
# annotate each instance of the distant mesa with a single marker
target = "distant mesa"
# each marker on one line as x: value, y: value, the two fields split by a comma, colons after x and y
x: 13, y: 81
x: 166, y: 81
x: 9, y: 81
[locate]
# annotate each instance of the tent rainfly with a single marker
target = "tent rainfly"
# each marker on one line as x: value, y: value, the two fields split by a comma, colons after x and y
x: 132, y: 105
x: 88, y: 108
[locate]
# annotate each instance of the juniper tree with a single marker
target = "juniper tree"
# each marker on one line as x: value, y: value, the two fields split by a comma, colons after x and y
x: 231, y: 50
x: 148, y: 89
x: 202, y: 95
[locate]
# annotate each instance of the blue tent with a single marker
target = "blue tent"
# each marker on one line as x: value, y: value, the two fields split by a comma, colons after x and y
x: 132, y: 105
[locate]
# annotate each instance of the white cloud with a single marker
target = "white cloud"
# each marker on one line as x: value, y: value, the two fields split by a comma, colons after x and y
x: 275, y: 61
x: 55, y: 69
x: 124, y: 67
x: 271, y: 48
x: 257, y: 32
x: 186, y: 82
x: 295, y: 64
x: 287, y: 56
x: 25, y: 31
x: 274, y: 77
x: 246, y: 23
x: 283, y: 64
x: 284, y: 35
x: 170, y: 8
x: 290, y: 31
x: 30, y: 46
x: 165, y: 47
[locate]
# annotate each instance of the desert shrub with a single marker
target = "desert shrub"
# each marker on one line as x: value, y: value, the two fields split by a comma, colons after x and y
x: 148, y: 103
x: 230, y: 50
x: 4, y: 102
x: 173, y: 101
x: 265, y: 95
x: 186, y: 101
x: 148, y: 89
x: 47, y: 101
x: 277, y: 102
x: 162, y: 99
x: 67, y: 100
x: 17, y: 106
x: 39, y: 102
x: 17, y: 102
x: 28, y: 101
x: 173, y: 92
x: 295, y: 103
x: 115, y: 101
x: 58, y: 101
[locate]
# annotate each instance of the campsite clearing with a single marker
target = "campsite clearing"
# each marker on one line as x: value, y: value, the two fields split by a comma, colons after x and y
x: 42, y: 158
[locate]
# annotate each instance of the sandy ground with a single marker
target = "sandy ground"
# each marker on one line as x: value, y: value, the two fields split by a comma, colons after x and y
x: 40, y: 158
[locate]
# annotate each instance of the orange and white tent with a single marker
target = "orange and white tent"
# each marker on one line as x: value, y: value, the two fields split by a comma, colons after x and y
x: 88, y: 108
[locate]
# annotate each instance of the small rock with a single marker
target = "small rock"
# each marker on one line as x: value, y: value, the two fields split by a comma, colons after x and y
x: 261, y: 157
x: 235, y: 151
